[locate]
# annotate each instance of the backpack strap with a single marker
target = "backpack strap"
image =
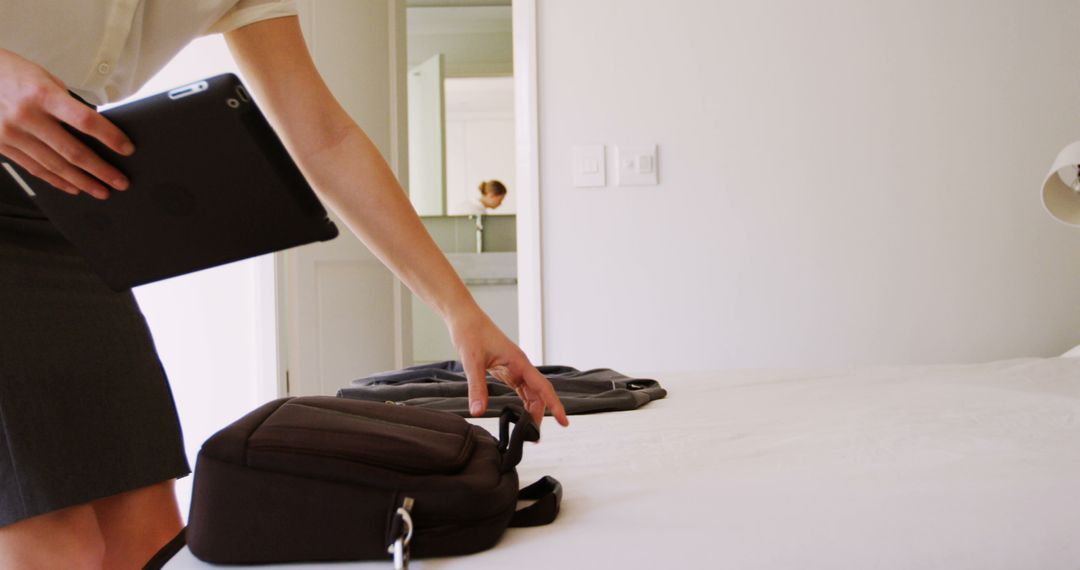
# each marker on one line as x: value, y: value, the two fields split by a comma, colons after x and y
x: 510, y: 444
x: 167, y: 552
x: 547, y: 492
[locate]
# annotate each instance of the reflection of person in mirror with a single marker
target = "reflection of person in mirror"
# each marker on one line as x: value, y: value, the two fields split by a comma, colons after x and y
x: 492, y: 194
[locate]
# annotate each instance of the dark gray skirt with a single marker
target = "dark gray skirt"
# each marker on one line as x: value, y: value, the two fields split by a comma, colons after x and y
x: 85, y: 407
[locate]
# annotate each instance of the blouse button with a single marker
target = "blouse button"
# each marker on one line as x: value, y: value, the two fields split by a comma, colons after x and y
x: 104, y: 68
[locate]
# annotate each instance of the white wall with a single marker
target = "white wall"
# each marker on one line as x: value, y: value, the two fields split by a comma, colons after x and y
x: 842, y: 182
x: 480, y: 142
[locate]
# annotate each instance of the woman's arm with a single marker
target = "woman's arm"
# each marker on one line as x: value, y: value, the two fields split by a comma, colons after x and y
x: 348, y: 172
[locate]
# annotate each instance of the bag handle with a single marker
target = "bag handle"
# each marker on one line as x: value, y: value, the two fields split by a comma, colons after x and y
x: 167, y: 552
x: 510, y: 444
x: 547, y: 492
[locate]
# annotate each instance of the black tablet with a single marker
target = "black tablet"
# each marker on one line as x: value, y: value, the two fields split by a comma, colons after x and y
x: 210, y: 183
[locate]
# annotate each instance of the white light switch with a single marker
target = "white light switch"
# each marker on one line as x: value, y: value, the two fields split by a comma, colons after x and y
x: 637, y: 165
x: 590, y: 168
x: 645, y: 164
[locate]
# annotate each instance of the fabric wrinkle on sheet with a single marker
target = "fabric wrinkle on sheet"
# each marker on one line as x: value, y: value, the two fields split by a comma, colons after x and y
x: 444, y: 386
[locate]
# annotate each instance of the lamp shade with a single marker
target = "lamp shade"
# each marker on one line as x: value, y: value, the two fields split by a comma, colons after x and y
x: 1060, y: 194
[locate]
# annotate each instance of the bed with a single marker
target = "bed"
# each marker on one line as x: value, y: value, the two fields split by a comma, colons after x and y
x: 956, y: 467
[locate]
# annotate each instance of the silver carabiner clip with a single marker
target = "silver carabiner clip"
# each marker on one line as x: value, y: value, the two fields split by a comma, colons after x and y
x: 400, y: 548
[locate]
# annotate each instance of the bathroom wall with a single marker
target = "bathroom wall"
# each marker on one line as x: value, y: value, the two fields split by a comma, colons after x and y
x: 457, y: 234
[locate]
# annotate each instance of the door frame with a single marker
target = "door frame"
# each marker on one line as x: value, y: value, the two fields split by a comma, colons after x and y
x: 527, y: 126
x: 277, y: 278
x: 527, y: 139
x: 274, y: 282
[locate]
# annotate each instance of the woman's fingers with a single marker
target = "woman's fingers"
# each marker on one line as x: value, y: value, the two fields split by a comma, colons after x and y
x: 534, y: 389
x: 476, y: 373
x: 543, y: 395
x: 524, y: 395
x: 33, y: 106
x: 78, y: 154
x: 58, y: 165
x: 484, y: 349
x: 516, y: 381
x: 35, y: 168
x: 535, y: 408
x: 87, y: 120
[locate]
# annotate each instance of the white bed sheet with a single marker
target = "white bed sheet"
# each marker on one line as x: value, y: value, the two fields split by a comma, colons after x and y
x: 888, y: 468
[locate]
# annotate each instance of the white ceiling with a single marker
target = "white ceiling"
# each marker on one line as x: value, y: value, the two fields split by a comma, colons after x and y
x: 459, y: 20
x: 455, y: 3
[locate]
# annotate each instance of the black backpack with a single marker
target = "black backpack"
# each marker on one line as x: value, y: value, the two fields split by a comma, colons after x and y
x: 314, y: 479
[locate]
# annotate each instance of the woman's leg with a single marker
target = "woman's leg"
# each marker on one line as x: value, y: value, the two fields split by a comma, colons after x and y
x: 68, y: 538
x: 136, y: 524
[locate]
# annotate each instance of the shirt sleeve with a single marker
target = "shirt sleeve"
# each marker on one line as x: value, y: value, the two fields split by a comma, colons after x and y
x: 250, y: 11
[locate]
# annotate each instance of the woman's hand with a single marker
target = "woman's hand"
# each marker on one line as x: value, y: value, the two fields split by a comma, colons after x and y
x: 33, y: 104
x: 351, y: 176
x: 483, y: 347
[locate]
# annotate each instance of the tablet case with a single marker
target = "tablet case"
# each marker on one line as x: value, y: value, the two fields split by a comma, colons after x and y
x: 211, y: 183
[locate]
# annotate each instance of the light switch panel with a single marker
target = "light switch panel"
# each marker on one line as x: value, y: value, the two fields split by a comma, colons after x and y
x: 590, y: 168
x: 637, y: 165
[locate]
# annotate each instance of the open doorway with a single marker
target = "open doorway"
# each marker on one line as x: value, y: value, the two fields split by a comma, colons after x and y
x: 462, y: 156
x: 341, y: 314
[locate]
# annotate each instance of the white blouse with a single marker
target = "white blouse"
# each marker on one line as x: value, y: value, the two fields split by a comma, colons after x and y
x: 104, y: 50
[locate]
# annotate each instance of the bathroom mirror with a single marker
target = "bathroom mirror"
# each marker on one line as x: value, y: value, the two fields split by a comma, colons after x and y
x: 461, y: 134
x: 461, y: 109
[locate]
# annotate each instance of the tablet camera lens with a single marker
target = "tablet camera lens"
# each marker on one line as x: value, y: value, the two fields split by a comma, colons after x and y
x: 232, y: 102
